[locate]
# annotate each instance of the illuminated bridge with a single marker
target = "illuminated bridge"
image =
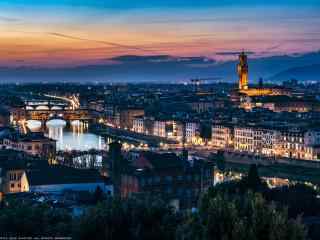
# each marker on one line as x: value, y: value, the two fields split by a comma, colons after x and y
x: 40, y: 105
x: 44, y: 110
x: 68, y: 115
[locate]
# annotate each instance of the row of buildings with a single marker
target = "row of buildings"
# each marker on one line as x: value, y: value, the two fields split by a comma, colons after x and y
x: 135, y: 119
x: 32, y: 143
x: 179, y: 130
x: 279, y: 104
x: 272, y: 141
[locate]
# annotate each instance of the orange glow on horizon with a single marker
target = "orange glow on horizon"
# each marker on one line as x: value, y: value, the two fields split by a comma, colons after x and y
x: 57, y: 37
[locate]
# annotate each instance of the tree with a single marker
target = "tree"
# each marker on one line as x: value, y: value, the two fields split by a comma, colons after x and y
x: 24, y: 219
x: 224, y: 213
x: 98, y: 195
x: 237, y: 217
x: 205, y: 131
x: 220, y: 161
x: 117, y: 163
x: 253, y: 180
x: 192, y: 228
x: 300, y: 199
x: 128, y: 219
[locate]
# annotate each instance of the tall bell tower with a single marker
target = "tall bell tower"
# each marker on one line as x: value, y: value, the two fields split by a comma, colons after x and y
x: 243, y: 70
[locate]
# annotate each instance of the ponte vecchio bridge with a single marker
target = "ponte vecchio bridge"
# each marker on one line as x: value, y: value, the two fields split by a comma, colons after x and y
x: 63, y: 108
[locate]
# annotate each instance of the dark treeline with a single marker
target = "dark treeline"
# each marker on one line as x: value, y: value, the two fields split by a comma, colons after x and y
x: 244, y: 209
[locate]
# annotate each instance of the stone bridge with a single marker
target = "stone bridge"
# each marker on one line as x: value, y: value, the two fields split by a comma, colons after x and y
x: 66, y: 114
x: 44, y: 110
x: 45, y: 105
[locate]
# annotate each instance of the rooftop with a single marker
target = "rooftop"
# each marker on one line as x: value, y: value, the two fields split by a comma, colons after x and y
x: 62, y: 175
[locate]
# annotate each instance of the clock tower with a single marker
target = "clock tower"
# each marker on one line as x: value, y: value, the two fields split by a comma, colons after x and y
x: 243, y: 71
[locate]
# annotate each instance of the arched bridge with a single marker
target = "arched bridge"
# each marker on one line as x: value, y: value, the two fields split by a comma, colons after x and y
x: 43, y: 110
x: 46, y: 105
x: 45, y: 115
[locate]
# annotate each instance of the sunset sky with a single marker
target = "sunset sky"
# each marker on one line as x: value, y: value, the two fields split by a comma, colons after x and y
x: 55, y: 33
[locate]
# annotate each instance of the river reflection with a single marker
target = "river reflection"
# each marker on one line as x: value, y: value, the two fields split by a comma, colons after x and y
x: 75, y: 137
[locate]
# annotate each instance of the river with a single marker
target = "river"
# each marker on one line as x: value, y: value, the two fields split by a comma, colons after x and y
x: 75, y: 137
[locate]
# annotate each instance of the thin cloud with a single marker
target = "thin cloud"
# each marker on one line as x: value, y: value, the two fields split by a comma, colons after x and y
x: 99, y: 41
x: 233, y: 53
x: 204, y: 35
x: 274, y: 47
x: 271, y: 49
x: 225, y: 19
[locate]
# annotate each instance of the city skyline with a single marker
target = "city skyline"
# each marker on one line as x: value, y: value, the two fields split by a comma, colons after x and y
x: 74, y: 33
x: 160, y: 119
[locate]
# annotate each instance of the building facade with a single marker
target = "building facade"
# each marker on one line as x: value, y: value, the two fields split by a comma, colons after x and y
x: 300, y: 144
x: 35, y: 144
x: 192, y: 132
x: 278, y: 142
x: 222, y: 136
x: 127, y: 116
x: 168, y: 176
x: 138, y: 125
x: 16, y: 181
x: 159, y: 128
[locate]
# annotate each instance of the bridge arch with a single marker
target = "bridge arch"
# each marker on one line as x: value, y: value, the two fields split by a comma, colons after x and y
x: 56, y: 122
x: 34, y: 124
x: 56, y: 108
x: 42, y: 107
x: 75, y: 122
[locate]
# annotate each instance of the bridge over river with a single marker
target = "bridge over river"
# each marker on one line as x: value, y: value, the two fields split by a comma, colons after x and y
x: 57, y: 107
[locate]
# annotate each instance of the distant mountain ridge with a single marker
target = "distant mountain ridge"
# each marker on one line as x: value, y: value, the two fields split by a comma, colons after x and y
x: 164, y: 68
x: 304, y: 73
